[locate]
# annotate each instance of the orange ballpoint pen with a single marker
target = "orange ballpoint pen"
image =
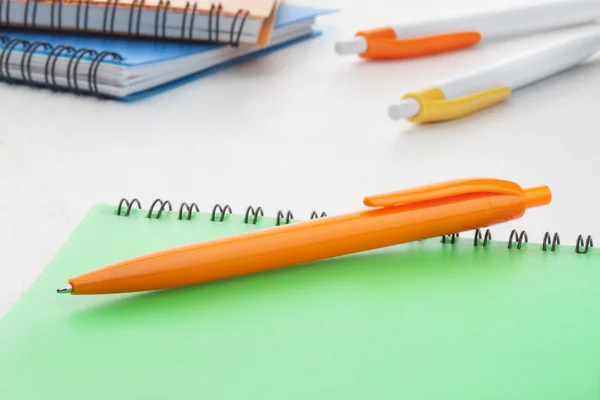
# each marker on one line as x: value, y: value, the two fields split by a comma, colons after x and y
x: 438, y: 35
x: 394, y: 218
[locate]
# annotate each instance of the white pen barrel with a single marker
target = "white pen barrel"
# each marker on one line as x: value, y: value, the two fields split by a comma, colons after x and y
x: 525, y: 69
x: 509, y: 22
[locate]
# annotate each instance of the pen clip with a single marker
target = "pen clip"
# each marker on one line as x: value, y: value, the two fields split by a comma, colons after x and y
x: 444, y: 190
x: 435, y: 107
x: 382, y: 44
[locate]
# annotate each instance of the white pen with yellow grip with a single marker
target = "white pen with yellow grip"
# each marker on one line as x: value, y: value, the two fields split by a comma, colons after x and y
x: 483, y: 88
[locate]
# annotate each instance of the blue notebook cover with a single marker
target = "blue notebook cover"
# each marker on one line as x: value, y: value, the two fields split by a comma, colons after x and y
x: 136, y: 52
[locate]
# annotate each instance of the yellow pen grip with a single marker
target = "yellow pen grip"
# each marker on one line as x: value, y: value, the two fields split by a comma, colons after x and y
x: 435, y: 106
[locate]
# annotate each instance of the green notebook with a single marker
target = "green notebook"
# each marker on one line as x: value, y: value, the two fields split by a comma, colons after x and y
x: 425, y: 320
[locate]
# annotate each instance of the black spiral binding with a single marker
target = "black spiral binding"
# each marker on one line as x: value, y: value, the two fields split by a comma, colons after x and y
x: 252, y: 214
x: 160, y: 19
x: 51, y: 64
x: 95, y: 65
x: 60, y: 8
x: 217, y: 215
x: 163, y: 205
x: 7, y: 20
x: 135, y: 12
x: 452, y: 238
x: 236, y: 42
x: 77, y: 56
x: 255, y: 213
x: 219, y: 7
x: 520, y: 238
x: 139, y: 17
x: 53, y: 53
x: 214, y: 16
x: 105, y: 18
x: 97, y: 58
x: 315, y: 215
x: 550, y: 242
x: 26, y: 13
x: 7, y: 49
x: 164, y: 18
x: 589, y: 243
x: 487, y: 237
x: 553, y: 243
x: 129, y: 205
x: 26, y: 60
x: 189, y: 209
x: 288, y: 217
x: 221, y: 210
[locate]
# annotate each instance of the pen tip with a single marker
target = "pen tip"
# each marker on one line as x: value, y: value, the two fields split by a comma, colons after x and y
x: 65, y: 289
x: 405, y: 109
x: 356, y: 45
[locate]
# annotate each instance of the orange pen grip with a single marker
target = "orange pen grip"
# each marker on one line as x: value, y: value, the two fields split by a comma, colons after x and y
x: 382, y: 44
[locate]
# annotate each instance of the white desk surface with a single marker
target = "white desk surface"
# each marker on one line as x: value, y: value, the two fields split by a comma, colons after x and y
x: 301, y: 129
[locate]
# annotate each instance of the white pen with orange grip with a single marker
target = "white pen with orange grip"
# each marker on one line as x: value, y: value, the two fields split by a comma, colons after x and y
x: 485, y: 87
x: 447, y: 34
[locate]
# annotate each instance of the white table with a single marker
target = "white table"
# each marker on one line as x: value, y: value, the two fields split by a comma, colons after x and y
x: 301, y: 129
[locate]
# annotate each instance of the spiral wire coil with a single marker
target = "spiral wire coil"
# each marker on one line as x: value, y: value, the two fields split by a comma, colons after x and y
x: 29, y: 48
x: 53, y: 54
x: 487, y: 237
x: 161, y: 12
x: 516, y: 240
x: 452, y: 239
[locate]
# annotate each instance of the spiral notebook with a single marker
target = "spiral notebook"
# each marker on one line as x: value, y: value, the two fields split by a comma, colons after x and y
x: 132, y: 68
x: 226, y: 21
x: 456, y: 318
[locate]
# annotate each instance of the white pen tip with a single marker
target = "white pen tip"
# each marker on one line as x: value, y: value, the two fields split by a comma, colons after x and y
x: 356, y: 45
x: 405, y: 109
x: 65, y: 289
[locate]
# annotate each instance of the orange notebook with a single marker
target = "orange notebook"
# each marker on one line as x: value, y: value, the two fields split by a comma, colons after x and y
x: 225, y: 21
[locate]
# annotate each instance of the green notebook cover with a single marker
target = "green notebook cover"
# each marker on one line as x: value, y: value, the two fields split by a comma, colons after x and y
x: 423, y: 320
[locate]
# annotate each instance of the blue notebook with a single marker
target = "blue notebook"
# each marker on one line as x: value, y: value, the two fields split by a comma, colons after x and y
x: 132, y: 68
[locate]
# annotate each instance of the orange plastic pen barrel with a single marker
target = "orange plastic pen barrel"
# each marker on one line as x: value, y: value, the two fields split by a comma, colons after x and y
x: 394, y: 218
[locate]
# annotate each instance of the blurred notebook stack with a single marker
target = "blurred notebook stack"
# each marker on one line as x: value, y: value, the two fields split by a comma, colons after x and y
x: 127, y: 50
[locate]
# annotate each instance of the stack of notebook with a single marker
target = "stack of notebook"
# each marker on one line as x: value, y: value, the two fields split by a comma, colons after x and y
x: 127, y: 49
